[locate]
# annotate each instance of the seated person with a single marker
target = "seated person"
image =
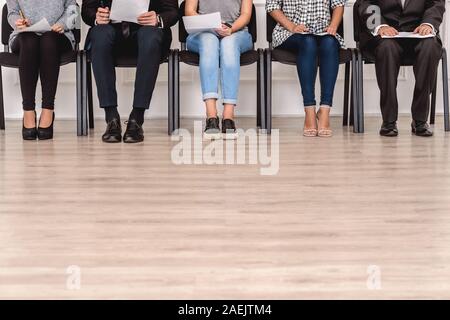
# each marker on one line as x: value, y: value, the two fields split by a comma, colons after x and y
x: 423, y: 17
x: 40, y: 57
x: 310, y: 31
x: 220, y: 56
x: 150, y: 37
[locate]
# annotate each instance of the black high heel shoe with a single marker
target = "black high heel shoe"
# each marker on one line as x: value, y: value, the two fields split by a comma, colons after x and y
x: 29, y: 133
x: 46, y: 133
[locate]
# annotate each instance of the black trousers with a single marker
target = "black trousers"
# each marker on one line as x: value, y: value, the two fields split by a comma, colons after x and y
x: 425, y: 54
x: 106, y: 41
x: 39, y: 56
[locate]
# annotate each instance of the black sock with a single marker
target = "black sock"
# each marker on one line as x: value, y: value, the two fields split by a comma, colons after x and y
x: 111, y: 113
x: 138, y: 115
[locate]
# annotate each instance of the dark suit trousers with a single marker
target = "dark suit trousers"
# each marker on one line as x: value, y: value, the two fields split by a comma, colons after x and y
x: 425, y: 55
x: 106, y: 41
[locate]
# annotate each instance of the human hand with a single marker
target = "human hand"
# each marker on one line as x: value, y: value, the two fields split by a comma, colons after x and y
x: 387, y: 31
x: 58, y: 28
x: 424, y: 29
x: 22, y: 24
x: 148, y: 19
x: 102, y: 16
x: 331, y: 30
x: 298, y: 28
x: 225, y: 31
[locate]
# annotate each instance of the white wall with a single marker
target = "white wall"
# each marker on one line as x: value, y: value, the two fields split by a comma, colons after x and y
x: 286, y: 92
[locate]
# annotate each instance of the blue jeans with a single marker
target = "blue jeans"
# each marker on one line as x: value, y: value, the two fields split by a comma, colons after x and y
x: 309, y: 48
x: 220, y: 56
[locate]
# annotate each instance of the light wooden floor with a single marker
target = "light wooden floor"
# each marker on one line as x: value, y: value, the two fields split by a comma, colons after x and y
x: 140, y: 227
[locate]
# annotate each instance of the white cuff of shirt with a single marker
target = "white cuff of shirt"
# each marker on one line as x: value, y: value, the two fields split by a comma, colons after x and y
x: 432, y: 27
x: 375, y: 31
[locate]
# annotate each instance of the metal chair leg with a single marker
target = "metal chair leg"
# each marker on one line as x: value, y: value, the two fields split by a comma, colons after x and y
x: 258, y: 94
x: 171, y: 94
x: 2, y: 102
x: 176, y: 109
x: 261, y: 90
x: 433, y: 103
x: 268, y: 62
x: 81, y: 92
x: 355, y: 91
x: 89, y: 94
x: 346, y: 94
x: 445, y: 90
x: 360, y: 104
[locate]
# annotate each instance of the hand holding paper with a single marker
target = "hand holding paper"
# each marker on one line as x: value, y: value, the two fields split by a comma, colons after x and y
x: 203, y: 22
x: 128, y: 10
x: 40, y: 27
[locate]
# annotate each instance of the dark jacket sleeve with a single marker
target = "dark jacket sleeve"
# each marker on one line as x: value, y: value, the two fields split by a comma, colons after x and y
x: 168, y: 12
x: 434, y: 13
x: 89, y: 11
x: 368, y: 16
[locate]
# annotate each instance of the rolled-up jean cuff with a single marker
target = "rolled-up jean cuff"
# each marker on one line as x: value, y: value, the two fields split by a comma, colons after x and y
x: 326, y: 103
x: 210, y: 95
x: 229, y: 101
x: 309, y: 104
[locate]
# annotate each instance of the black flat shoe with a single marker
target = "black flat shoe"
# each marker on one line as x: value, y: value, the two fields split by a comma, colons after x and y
x: 421, y: 129
x: 389, y: 129
x: 134, y: 132
x: 113, y: 133
x: 46, y: 133
x: 29, y: 133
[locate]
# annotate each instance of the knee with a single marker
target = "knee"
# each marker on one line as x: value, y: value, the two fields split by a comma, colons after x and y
x: 29, y: 42
x: 149, y: 38
x: 430, y: 48
x: 329, y: 43
x: 229, y: 52
x: 208, y: 43
x: 307, y: 45
x: 49, y: 41
x: 102, y: 36
x: 387, y: 48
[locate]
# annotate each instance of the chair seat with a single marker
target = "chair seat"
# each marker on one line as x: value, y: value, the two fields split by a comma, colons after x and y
x: 11, y: 60
x: 193, y: 59
x: 288, y: 57
x: 128, y: 59
x: 369, y: 58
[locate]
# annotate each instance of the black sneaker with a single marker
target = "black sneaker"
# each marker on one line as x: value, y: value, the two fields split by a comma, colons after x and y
x: 229, y: 129
x: 212, y: 129
x: 113, y: 133
x: 134, y: 132
x: 389, y: 129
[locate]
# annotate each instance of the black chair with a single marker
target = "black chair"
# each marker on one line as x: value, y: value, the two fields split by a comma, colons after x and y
x: 346, y: 56
x: 11, y: 60
x: 191, y: 58
x: 124, y: 59
x: 364, y: 59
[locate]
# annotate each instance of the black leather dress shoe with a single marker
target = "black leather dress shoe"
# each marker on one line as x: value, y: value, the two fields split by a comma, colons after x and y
x: 134, y: 132
x: 389, y: 129
x: 421, y: 129
x: 29, y: 133
x: 113, y: 133
x: 46, y: 133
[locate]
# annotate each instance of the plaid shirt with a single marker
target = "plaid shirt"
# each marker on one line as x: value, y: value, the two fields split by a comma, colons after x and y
x: 314, y: 14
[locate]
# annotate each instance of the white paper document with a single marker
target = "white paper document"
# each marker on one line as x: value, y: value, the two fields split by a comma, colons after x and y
x: 409, y: 35
x: 40, y: 27
x: 318, y: 34
x: 203, y: 22
x: 128, y: 10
